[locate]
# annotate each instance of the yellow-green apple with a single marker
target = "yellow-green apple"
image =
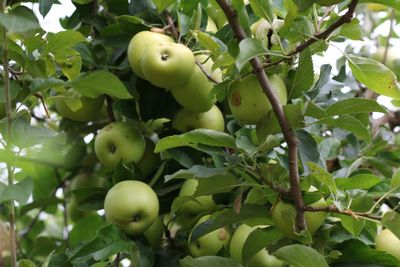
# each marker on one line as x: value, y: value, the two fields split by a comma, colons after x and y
x: 119, y: 141
x: 186, y: 120
x: 132, y: 205
x: 150, y: 161
x: 195, y: 94
x: 247, y: 100
x: 202, y: 203
x: 138, y: 45
x: 154, y: 234
x: 167, y: 65
x: 388, y: 242
x: 211, y: 243
x: 89, y: 110
x: 261, y: 258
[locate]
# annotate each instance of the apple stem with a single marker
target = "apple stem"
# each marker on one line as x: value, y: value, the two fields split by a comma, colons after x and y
x: 172, y: 27
x: 110, y: 110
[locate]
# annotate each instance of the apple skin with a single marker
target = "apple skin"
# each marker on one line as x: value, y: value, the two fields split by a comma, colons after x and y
x: 167, y: 65
x: 211, y: 243
x: 202, y: 203
x: 284, y: 215
x: 154, y: 234
x: 194, y: 95
x: 388, y: 242
x: 260, y: 259
x: 248, y: 102
x: 132, y: 205
x: 138, y: 45
x: 186, y: 120
x: 150, y: 161
x: 88, y: 112
x: 119, y: 141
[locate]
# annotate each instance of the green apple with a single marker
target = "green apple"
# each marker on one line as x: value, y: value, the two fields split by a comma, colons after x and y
x: 260, y: 259
x: 138, y: 45
x: 202, y: 203
x: 262, y: 27
x: 167, y: 65
x: 186, y: 120
x: 195, y: 94
x: 284, y: 216
x: 155, y: 233
x: 150, y: 161
x: 247, y: 100
x: 388, y: 242
x: 211, y: 243
x: 132, y: 205
x: 88, y: 112
x: 211, y: 26
x: 119, y: 141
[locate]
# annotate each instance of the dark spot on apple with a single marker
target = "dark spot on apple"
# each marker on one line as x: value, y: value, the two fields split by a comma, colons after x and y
x: 108, y: 128
x: 112, y: 148
x: 164, y: 56
x: 136, y: 218
x: 236, y: 99
x: 197, y: 243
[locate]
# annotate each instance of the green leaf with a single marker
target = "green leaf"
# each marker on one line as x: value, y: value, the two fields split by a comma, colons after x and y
x: 262, y: 8
x: 196, y: 138
x: 63, y: 40
x: 195, y: 172
x: 249, y: 48
x: 42, y: 84
x: 162, y: 4
x: 301, y: 256
x: 391, y: 220
x: 58, y: 260
x: 360, y: 181
x: 19, y: 20
x: 376, y: 76
x: 322, y: 175
x: 100, y: 82
x: 308, y: 148
x: 352, y: 30
x: 45, y: 6
x: 20, y: 191
x: 85, y: 229
x: 211, y: 43
x: 353, y: 225
x: 354, y: 106
x: 15, y: 88
x: 303, y: 4
x: 208, y: 261
x: 395, y: 179
x: 391, y: 3
x: 216, y: 184
x: 26, y: 263
x: 304, y: 76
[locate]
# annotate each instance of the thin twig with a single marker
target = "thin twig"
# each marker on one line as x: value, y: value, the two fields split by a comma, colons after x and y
x: 348, y: 212
x: 172, y: 27
x: 65, y: 213
x: 110, y: 110
x: 208, y: 75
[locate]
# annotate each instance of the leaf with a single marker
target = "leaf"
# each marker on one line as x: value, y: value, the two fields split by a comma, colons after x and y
x: 262, y: 8
x: 353, y: 225
x: 195, y: 172
x: 100, y: 82
x: 391, y: 3
x: 352, y: 30
x: 322, y: 175
x: 42, y: 84
x: 19, y: 20
x: 211, y: 43
x: 162, y: 4
x: 195, y: 138
x: 45, y: 6
x: 375, y: 75
x: 63, y: 40
x: 354, y: 106
x: 395, y: 179
x: 308, y: 148
x: 301, y: 256
x: 391, y: 220
x: 208, y: 261
x: 304, y: 76
x: 249, y: 48
x: 360, y: 181
x: 20, y: 191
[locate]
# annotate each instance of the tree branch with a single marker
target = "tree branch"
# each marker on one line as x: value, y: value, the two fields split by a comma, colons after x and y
x: 345, y: 212
x: 172, y: 27
x: 287, y: 131
x: 208, y: 75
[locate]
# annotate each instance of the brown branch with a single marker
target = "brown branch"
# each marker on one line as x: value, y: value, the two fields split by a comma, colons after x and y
x: 392, y: 119
x: 287, y: 131
x: 206, y: 73
x: 110, y: 111
x: 172, y: 27
x: 40, y: 97
x: 345, y: 212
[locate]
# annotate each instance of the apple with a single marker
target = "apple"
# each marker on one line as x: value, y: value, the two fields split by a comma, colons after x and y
x: 154, y: 234
x: 119, y: 141
x: 132, y: 205
x: 4, y: 244
x: 88, y: 112
x: 247, y: 100
x: 138, y: 45
x: 388, y: 242
x: 150, y: 161
x: 195, y: 94
x: 260, y: 259
x: 167, y: 65
x: 186, y: 120
x: 261, y: 29
x: 284, y: 216
x: 202, y: 203
x: 211, y: 243
x: 211, y: 26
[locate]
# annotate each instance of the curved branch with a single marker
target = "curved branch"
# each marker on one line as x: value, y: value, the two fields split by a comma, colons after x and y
x: 344, y: 212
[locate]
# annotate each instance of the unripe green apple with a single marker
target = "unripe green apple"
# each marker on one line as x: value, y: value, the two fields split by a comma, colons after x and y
x: 132, y: 205
x: 211, y: 27
x: 186, y: 120
x: 260, y: 259
x: 195, y: 94
x: 150, y: 160
x: 119, y: 141
x: 247, y: 100
x: 211, y: 243
x: 284, y: 216
x: 138, y: 45
x: 155, y: 233
x: 88, y: 112
x: 202, y: 203
x: 388, y: 242
x: 167, y: 65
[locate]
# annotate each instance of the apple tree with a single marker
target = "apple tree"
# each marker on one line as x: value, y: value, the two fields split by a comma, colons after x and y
x: 200, y: 133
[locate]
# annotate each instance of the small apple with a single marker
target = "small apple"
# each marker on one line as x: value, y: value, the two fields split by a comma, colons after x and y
x: 132, y: 205
x: 150, y: 161
x: 195, y: 95
x: 186, y: 120
x: 155, y: 233
x: 88, y: 112
x: 261, y: 258
x: 167, y: 65
x: 247, y: 100
x: 388, y: 242
x: 138, y: 45
x: 119, y: 141
x: 202, y: 203
x: 211, y: 243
